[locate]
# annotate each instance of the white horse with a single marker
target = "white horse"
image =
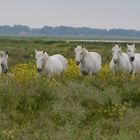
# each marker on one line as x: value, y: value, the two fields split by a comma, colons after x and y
x: 89, y: 62
x: 134, y: 59
x: 120, y: 60
x: 3, y: 61
x: 54, y: 65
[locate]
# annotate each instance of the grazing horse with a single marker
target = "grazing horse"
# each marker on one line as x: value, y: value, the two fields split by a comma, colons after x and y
x: 120, y: 60
x: 3, y: 61
x: 54, y: 65
x: 134, y: 59
x: 89, y: 62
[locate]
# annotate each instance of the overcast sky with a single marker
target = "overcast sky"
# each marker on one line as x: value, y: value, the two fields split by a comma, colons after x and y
x: 78, y: 13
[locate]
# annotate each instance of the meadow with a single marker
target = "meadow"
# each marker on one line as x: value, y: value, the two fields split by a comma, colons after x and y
x: 69, y: 107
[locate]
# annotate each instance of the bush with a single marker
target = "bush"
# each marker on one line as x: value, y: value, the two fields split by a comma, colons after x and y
x: 131, y: 95
x: 116, y: 111
x: 72, y: 69
x: 105, y: 73
x: 24, y: 74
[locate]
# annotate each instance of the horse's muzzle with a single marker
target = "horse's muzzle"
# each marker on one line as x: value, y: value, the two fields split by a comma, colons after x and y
x: 132, y: 58
x: 39, y: 70
x: 115, y: 60
x: 5, y: 70
x: 77, y: 62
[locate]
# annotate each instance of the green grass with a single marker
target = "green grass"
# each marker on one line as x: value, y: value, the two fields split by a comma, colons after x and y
x: 65, y: 108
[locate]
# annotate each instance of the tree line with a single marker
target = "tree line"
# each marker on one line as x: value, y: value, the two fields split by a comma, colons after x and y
x: 67, y: 31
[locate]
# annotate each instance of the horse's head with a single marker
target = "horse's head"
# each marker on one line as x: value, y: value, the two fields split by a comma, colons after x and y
x: 78, y: 54
x: 131, y: 51
x: 39, y: 57
x: 116, y: 52
x: 4, y: 61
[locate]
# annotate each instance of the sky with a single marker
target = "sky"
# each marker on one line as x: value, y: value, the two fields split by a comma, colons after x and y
x: 104, y: 14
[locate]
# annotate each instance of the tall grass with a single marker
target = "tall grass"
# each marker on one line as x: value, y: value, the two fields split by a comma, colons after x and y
x: 69, y: 107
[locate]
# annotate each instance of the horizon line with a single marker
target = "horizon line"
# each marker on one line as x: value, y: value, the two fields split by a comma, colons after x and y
x: 121, y: 28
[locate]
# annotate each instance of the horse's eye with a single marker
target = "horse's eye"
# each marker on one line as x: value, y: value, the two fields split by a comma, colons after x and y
x: 81, y: 53
x: 128, y: 50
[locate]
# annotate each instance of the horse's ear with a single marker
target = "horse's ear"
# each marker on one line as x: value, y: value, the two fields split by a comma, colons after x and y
x: 44, y: 51
x: 113, y: 44
x: 120, y: 48
x: 6, y: 52
x: 119, y: 45
x: 35, y: 51
x: 133, y: 44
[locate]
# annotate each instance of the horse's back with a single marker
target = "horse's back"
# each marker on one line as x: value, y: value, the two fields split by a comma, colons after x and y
x: 62, y: 59
x: 53, y: 66
x: 97, y: 57
x: 125, y: 62
x: 97, y: 61
x: 136, y: 62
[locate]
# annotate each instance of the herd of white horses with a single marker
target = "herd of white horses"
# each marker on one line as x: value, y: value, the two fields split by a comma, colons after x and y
x: 89, y: 62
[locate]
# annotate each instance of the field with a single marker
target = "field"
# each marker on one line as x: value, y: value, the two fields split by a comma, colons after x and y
x: 69, y: 107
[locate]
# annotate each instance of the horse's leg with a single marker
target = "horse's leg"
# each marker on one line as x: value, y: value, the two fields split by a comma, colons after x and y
x: 90, y: 73
x: 0, y: 69
x: 133, y: 71
x: 113, y: 71
x: 48, y: 76
x: 84, y: 73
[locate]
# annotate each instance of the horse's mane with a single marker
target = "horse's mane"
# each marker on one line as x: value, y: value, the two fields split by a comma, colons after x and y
x: 85, y: 51
x: 1, y: 53
x: 46, y: 56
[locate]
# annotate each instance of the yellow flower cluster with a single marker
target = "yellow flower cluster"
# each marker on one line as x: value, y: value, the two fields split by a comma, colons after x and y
x: 105, y: 72
x: 115, y: 111
x: 121, y: 78
x: 24, y: 73
x: 72, y: 69
x: 3, y: 77
x: 52, y: 82
x: 9, y: 134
